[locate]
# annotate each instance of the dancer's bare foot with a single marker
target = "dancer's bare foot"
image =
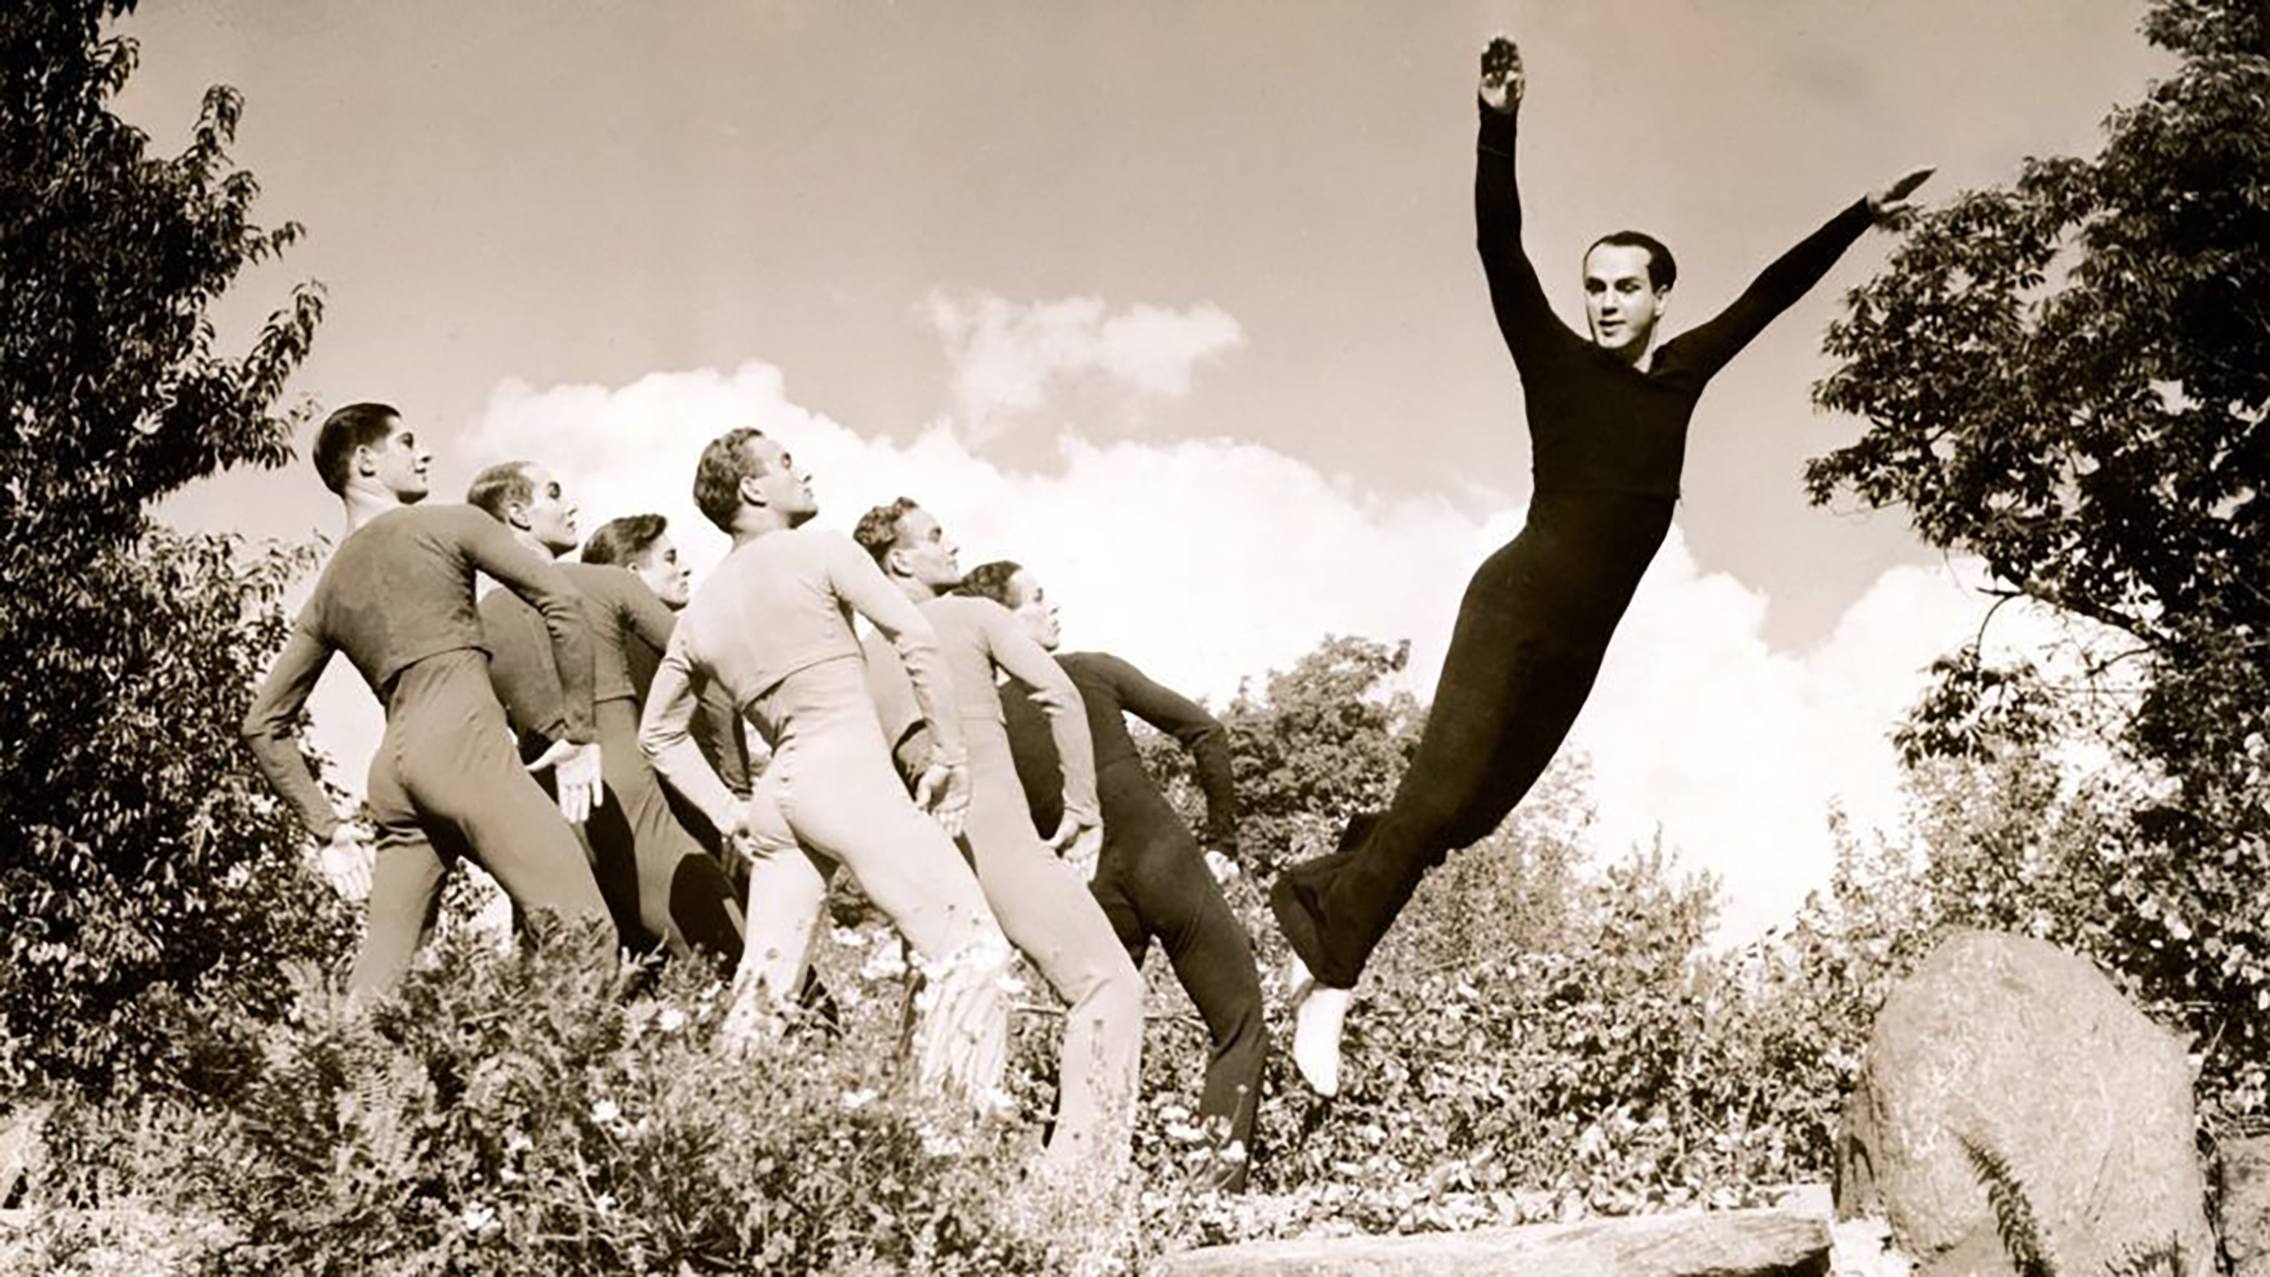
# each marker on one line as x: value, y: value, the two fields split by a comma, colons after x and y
x: 1502, y: 76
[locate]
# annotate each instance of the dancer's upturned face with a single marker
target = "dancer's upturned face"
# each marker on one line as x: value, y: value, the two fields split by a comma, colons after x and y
x: 1621, y: 304
x: 924, y: 553
x: 400, y: 464
x: 671, y: 581
x: 782, y: 486
x: 1034, y: 610
x: 551, y: 513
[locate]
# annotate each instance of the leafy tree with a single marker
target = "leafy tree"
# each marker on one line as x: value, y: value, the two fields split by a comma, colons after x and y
x: 1318, y: 743
x: 2070, y: 377
x: 148, y: 881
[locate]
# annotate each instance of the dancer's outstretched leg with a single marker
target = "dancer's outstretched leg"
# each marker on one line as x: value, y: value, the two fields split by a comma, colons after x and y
x: 1528, y: 642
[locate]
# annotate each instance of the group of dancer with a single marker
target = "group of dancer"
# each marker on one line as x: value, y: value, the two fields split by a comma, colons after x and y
x: 583, y: 730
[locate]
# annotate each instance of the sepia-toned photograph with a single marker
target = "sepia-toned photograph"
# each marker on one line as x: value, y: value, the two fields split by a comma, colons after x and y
x: 1064, y: 637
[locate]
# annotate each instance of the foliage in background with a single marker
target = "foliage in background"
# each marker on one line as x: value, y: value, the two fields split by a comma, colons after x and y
x: 2069, y: 377
x: 148, y: 879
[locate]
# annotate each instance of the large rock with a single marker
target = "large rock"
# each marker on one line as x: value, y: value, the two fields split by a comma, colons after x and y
x: 2009, y: 1045
x: 2246, y: 1205
x: 1722, y: 1244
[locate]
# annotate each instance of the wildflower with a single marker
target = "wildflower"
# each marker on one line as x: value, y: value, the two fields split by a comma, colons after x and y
x: 1185, y: 1133
x: 1234, y: 1152
x: 858, y: 1098
x: 672, y: 1020
x: 941, y: 1145
x: 605, y: 1201
x: 478, y: 1219
x: 885, y: 963
x: 604, y: 1112
x: 517, y: 1143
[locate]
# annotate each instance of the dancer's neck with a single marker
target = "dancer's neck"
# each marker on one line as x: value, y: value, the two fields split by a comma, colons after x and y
x: 754, y: 522
x: 529, y: 539
x: 363, y: 503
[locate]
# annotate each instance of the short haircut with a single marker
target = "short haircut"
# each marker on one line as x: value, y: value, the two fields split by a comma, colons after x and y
x: 358, y: 425
x: 624, y: 541
x: 878, y: 529
x: 725, y: 462
x: 993, y: 581
x: 1662, y: 270
x: 501, y: 486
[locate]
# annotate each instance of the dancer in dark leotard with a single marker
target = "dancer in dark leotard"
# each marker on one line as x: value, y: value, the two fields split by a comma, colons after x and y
x: 1151, y: 878
x: 1608, y: 429
x: 397, y: 598
x: 641, y: 543
x: 657, y: 879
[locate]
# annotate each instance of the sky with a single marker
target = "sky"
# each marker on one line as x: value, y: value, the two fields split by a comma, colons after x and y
x: 1176, y: 303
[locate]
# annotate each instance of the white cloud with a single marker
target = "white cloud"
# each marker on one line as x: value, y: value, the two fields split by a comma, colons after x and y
x: 1006, y: 355
x: 1207, y: 560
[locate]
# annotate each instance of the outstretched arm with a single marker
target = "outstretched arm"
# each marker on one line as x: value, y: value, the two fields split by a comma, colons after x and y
x: 1791, y: 276
x: 1198, y: 731
x: 267, y: 729
x: 1524, y: 317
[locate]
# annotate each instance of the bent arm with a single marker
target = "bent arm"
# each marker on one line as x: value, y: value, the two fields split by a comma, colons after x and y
x: 1775, y: 290
x: 1524, y: 317
x: 1052, y: 690
x: 642, y: 614
x: 665, y: 735
x: 267, y: 728
x: 545, y: 588
x: 857, y: 581
x: 1199, y: 732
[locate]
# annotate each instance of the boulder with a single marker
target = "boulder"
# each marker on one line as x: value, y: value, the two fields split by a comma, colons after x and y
x: 2008, y: 1048
x: 1720, y: 1244
x: 2246, y: 1205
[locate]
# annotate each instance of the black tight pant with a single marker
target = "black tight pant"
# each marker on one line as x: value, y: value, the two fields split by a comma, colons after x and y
x: 1152, y: 881
x: 1531, y: 631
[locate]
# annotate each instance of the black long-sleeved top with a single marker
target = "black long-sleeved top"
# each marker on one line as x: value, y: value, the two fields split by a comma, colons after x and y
x: 1597, y: 424
x: 1111, y: 688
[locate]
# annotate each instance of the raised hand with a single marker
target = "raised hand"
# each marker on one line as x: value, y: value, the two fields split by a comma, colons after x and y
x: 1502, y: 78
x: 1890, y: 203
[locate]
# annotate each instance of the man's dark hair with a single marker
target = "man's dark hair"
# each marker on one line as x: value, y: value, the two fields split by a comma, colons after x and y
x: 1662, y: 270
x: 358, y: 425
x: 992, y: 581
x: 725, y: 462
x: 501, y: 486
x: 878, y: 529
x: 624, y: 541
